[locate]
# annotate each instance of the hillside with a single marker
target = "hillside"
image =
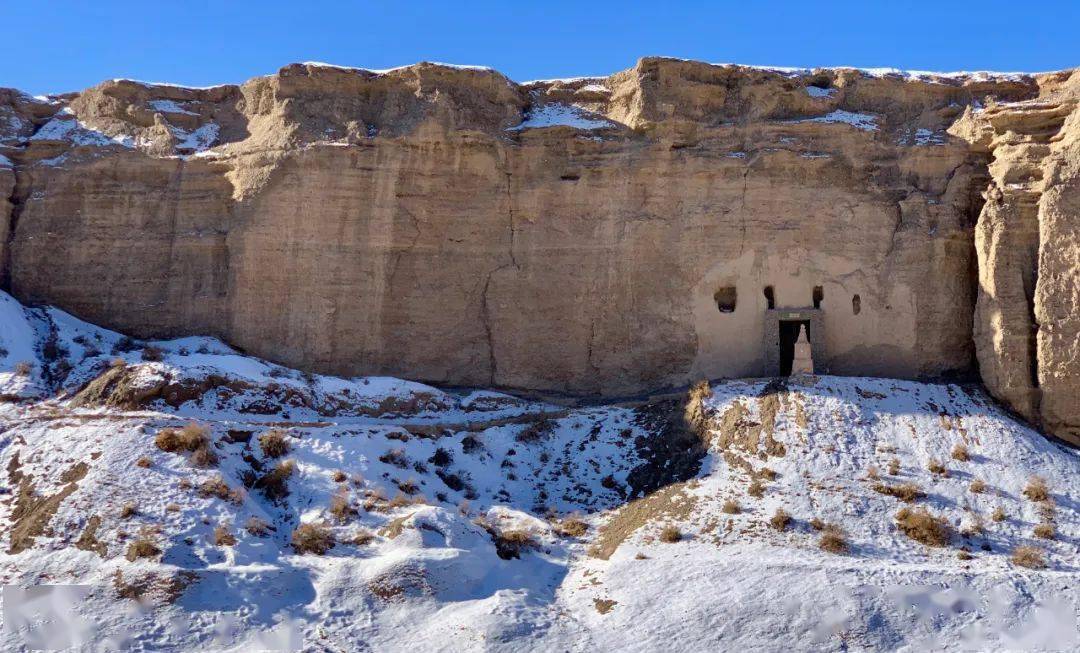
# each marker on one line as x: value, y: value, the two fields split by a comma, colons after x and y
x: 170, y: 477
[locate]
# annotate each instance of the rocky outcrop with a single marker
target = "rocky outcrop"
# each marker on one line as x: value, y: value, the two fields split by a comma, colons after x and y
x: 450, y: 225
x: 1027, y: 319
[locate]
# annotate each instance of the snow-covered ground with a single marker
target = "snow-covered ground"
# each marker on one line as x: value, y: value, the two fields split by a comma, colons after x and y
x: 454, y: 514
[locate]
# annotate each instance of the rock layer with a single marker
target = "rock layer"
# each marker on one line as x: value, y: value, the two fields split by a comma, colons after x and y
x: 450, y: 225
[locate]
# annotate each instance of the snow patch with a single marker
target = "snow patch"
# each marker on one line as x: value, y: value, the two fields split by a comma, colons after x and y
x: 561, y: 115
x: 863, y: 121
x: 818, y: 92
x: 197, y: 140
x: 169, y: 106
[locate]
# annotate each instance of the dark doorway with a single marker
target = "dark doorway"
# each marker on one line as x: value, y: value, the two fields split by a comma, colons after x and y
x: 789, y: 333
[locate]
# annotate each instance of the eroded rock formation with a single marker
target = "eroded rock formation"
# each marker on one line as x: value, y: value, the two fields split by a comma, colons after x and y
x: 581, y: 236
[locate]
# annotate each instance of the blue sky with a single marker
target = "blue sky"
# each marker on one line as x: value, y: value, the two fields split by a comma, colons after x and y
x: 58, y: 45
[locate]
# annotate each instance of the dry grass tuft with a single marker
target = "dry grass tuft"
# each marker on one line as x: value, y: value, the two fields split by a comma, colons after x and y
x: 963, y: 555
x: 172, y: 507
x: 780, y: 519
x: 128, y: 511
x: 872, y: 473
x: 274, y: 443
x: 363, y: 537
x: 671, y: 534
x: 152, y: 354
x: 756, y: 490
x: 731, y: 507
x: 339, y: 476
x: 923, y: 527
x: 960, y: 452
x: 907, y: 492
x: 257, y: 527
x: 23, y: 368
x: 1045, y: 531
x: 767, y: 474
x: 894, y: 467
x: 937, y: 467
x: 999, y: 514
x: 818, y: 525
x: 510, y: 543
x: 223, y: 536
x: 145, y: 462
x: 312, y: 538
x: 341, y: 506
x: 217, y: 487
x: 189, y: 438
x: 1037, y: 489
x: 1028, y: 556
x: 395, y: 457
x: 204, y: 457
x: 977, y: 487
x: 536, y: 431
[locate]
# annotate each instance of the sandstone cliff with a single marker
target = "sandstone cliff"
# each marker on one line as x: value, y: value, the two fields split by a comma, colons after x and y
x: 450, y: 225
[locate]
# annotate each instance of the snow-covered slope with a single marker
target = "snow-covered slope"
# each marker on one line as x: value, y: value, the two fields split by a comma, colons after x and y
x: 478, y: 521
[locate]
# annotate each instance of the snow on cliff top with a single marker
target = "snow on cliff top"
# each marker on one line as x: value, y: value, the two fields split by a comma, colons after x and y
x: 441, y: 511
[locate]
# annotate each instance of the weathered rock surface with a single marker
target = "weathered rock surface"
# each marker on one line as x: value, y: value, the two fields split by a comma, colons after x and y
x: 450, y: 225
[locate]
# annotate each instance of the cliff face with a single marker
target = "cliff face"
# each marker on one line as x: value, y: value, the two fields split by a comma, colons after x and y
x: 449, y: 225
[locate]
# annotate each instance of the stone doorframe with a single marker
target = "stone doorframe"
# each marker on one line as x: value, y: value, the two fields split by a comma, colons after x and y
x: 773, y: 318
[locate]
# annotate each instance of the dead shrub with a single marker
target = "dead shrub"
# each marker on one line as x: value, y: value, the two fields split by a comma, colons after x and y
x: 152, y: 354
x: 275, y: 483
x: 731, y: 507
x: 756, y: 490
x: 223, y: 536
x: 833, y: 541
x: 274, y: 443
x: 408, y: 486
x: 204, y: 457
x: 767, y: 474
x: 257, y: 527
x: 818, y: 525
x: 1028, y: 556
x: 999, y: 514
x: 217, y: 487
x: 977, y: 487
x: 960, y: 452
x: 193, y: 438
x: 312, y: 538
x: 963, y: 555
x: 128, y: 511
x: 172, y: 507
x: 894, y: 467
x: 670, y: 534
x: 1045, y: 531
x: 937, y: 467
x: 143, y: 547
x: 923, y: 527
x: 1037, y: 489
x: 23, y: 368
x: 341, y: 506
x: 571, y: 526
x: 906, y: 492
x: 780, y: 519
x: 184, y: 484
x: 510, y: 543
x: 339, y: 476
x: 872, y: 473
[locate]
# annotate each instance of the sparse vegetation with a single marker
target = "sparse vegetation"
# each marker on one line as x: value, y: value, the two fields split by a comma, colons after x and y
x: 937, y: 467
x: 408, y: 486
x: 977, y: 487
x: 731, y: 507
x: 1036, y: 489
x: 818, y: 525
x: 1028, y: 556
x: 145, y: 462
x: 670, y: 534
x: 960, y: 452
x: 1045, y: 531
x: 906, y: 492
x: 274, y: 443
x: 963, y: 555
x: 363, y: 537
x: 833, y: 540
x: 756, y: 489
x: 510, y: 543
x: 172, y: 507
x: 223, y: 536
x: 395, y: 457
x: 999, y: 514
x: 23, y: 368
x: 780, y: 519
x: 312, y: 538
x: 923, y: 527
x: 128, y: 511
x: 339, y: 476
x: 193, y: 438
x: 536, y: 431
x: 872, y: 473
x: 767, y: 474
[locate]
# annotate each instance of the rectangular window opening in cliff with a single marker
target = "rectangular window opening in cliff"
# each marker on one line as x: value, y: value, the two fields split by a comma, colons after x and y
x: 789, y: 333
x: 819, y: 294
x: 770, y: 298
x: 725, y: 299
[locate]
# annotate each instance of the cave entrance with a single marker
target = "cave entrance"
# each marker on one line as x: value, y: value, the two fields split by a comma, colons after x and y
x: 789, y: 333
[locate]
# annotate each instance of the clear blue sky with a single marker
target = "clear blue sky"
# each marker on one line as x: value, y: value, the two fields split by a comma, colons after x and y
x: 58, y: 45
